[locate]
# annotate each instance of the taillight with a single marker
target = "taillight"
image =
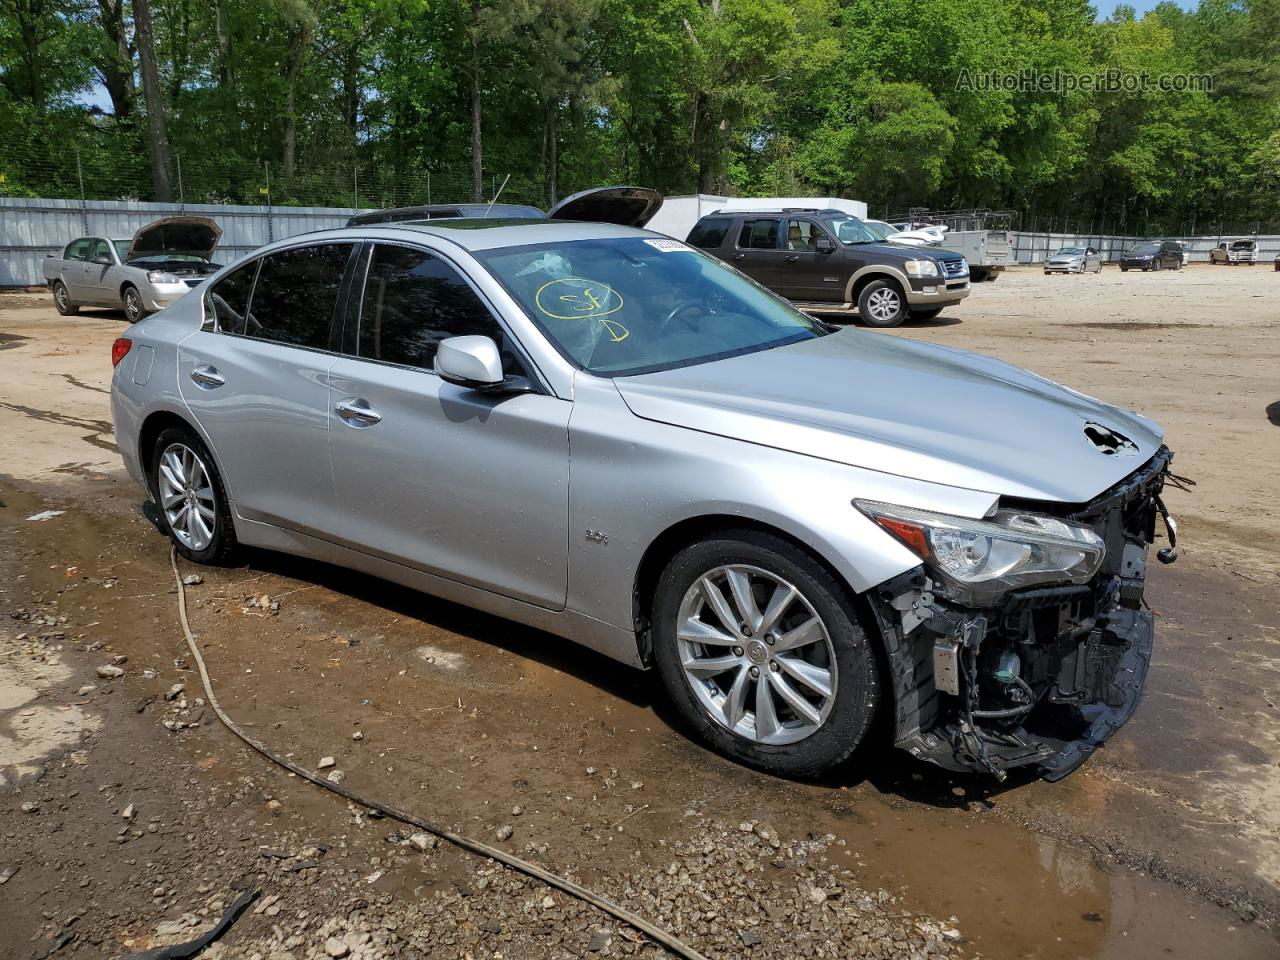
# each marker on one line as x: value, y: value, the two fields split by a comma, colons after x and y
x: 119, y: 349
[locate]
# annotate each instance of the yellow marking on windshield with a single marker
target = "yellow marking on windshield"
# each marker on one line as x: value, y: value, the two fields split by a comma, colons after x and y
x: 617, y: 332
x: 578, y: 299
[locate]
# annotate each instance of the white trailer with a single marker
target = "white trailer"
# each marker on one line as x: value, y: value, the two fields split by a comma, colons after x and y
x: 677, y: 215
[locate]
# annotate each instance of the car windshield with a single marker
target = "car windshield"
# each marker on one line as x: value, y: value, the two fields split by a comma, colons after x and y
x: 122, y: 248
x: 851, y: 230
x: 1142, y: 249
x: 1069, y: 252
x: 635, y: 305
x: 880, y: 231
x: 1242, y: 245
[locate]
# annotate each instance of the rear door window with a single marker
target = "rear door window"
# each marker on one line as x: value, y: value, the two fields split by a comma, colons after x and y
x: 227, y: 301
x: 709, y: 234
x: 759, y: 234
x: 77, y: 249
x: 413, y: 300
x: 296, y: 295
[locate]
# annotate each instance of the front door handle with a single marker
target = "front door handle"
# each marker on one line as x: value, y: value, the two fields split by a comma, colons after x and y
x: 793, y: 258
x: 739, y: 256
x: 207, y: 376
x: 357, y: 412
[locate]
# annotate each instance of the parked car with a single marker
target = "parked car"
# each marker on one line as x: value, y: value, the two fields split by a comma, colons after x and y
x: 1153, y: 255
x: 148, y: 272
x: 1235, y: 251
x: 1074, y: 260
x: 828, y: 261
x: 913, y: 238
x: 801, y: 527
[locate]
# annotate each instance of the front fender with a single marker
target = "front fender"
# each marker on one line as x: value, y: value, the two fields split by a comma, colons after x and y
x: 633, y: 479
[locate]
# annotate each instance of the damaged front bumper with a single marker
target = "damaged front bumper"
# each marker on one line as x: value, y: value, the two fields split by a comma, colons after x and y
x: 1045, y: 676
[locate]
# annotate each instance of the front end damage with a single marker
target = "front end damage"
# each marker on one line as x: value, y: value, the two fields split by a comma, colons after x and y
x: 1041, y: 676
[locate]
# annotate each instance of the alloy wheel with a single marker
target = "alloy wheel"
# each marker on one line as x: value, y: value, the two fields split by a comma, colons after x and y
x: 186, y: 496
x: 60, y: 295
x: 756, y: 654
x: 132, y: 306
x: 884, y: 304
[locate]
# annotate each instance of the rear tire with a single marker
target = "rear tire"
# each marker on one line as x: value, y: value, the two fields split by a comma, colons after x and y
x: 882, y: 304
x: 772, y: 721
x: 62, y: 300
x: 187, y: 487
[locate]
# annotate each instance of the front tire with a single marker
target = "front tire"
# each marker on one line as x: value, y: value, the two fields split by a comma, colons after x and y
x: 882, y: 304
x: 194, y: 510
x: 62, y: 300
x: 761, y: 651
x: 131, y: 300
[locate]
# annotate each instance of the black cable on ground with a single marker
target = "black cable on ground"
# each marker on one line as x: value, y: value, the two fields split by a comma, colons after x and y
x: 668, y: 940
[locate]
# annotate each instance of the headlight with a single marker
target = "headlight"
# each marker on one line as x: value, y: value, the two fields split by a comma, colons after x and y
x: 921, y: 268
x: 160, y: 276
x: 978, y: 560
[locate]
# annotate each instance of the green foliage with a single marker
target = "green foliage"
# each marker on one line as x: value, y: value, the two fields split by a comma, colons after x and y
x: 361, y: 101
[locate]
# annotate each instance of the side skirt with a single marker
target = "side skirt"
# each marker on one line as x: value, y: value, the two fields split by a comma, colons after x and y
x: 615, y: 642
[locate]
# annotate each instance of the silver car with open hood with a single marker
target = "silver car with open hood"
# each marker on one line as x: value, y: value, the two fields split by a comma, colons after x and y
x: 606, y: 434
x: 141, y: 274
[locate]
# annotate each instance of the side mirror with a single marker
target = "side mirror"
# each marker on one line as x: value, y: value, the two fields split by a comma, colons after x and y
x: 102, y: 261
x: 824, y: 245
x: 471, y: 361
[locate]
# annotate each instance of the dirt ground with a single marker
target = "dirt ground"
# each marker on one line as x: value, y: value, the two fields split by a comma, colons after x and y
x: 129, y: 820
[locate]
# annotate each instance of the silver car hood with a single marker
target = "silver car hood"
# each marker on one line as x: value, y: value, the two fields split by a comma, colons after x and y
x: 903, y: 407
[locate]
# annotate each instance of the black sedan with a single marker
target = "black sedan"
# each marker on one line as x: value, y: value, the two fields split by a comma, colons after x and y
x: 1153, y: 255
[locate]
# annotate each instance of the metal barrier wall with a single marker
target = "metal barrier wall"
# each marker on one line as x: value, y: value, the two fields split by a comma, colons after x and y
x: 1038, y: 247
x: 31, y: 229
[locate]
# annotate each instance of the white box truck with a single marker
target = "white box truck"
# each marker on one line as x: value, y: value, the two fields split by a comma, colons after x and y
x: 677, y: 215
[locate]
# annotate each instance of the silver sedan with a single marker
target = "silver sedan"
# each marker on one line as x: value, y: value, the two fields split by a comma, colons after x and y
x: 606, y: 434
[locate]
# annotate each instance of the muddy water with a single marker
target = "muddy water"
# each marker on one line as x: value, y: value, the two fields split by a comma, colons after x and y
x: 465, y: 716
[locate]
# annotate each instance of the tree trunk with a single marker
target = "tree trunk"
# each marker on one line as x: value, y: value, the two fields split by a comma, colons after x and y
x: 351, y: 92
x: 152, y: 94
x: 226, y: 70
x: 116, y: 67
x: 298, y: 40
x: 28, y: 17
x: 704, y: 145
x: 553, y: 153
x: 477, y: 159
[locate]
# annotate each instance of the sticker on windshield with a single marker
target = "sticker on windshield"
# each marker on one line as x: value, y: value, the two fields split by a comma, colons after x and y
x: 668, y: 246
x: 573, y: 298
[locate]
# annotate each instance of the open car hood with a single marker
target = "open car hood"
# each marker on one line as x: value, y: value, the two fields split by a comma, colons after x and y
x: 189, y: 236
x: 625, y: 206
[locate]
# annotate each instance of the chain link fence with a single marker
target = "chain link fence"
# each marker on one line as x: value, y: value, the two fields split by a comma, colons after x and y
x: 85, y: 174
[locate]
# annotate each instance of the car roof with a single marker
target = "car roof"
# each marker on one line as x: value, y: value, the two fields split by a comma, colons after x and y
x: 477, y: 233
x: 779, y: 212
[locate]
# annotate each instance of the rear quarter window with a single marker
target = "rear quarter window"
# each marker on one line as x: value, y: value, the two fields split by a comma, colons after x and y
x: 227, y: 301
x: 709, y: 234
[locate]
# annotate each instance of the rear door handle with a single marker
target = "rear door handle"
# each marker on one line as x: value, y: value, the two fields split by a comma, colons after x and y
x: 739, y: 256
x: 793, y: 258
x: 357, y: 412
x: 207, y: 377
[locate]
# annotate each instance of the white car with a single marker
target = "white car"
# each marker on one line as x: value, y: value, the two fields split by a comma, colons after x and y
x: 917, y: 235
x: 142, y: 274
